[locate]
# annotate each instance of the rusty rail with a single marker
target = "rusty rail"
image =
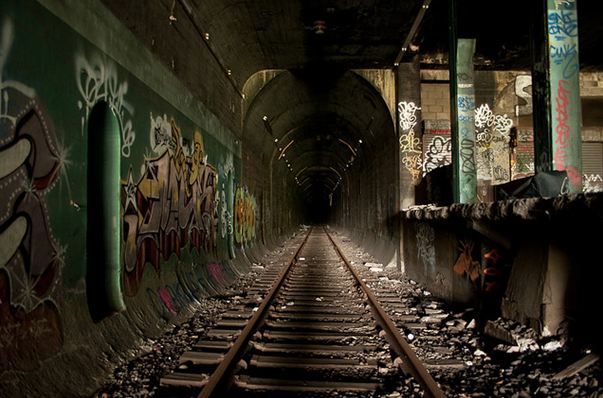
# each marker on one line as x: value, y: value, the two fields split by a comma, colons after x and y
x: 411, y: 363
x: 222, y: 372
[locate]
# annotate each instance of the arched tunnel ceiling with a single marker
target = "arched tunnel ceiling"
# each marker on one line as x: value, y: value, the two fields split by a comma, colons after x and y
x: 318, y: 126
x: 319, y: 37
x: 252, y: 35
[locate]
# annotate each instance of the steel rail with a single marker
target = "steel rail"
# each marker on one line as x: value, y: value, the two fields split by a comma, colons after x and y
x: 222, y: 372
x: 412, y: 363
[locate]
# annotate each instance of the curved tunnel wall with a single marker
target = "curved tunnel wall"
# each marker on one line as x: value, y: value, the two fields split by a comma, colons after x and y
x: 198, y: 202
x: 187, y: 222
x: 329, y: 142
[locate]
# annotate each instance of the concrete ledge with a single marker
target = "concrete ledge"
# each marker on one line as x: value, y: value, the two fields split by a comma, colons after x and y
x: 529, y: 209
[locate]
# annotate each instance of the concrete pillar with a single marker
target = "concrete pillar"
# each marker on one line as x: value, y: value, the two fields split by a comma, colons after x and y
x: 410, y: 132
x: 556, y: 89
x: 462, y: 101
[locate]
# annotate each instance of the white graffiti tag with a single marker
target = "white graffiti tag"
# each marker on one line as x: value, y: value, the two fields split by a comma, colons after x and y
x: 97, y: 81
x: 407, y: 114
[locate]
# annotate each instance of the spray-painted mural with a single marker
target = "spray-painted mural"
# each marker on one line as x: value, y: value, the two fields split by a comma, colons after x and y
x: 523, y: 164
x: 492, y: 142
x: 173, y: 205
x: 438, y: 145
x: 31, y: 260
x: 410, y: 144
x: 97, y: 81
x: 245, y: 216
x: 564, y: 75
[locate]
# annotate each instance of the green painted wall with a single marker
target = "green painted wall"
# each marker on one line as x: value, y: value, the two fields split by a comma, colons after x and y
x: 180, y: 169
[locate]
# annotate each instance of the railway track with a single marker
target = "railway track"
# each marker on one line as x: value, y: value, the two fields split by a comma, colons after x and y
x: 310, y: 328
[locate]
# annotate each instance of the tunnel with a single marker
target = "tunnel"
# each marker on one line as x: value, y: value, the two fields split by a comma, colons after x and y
x: 326, y: 140
x: 166, y: 165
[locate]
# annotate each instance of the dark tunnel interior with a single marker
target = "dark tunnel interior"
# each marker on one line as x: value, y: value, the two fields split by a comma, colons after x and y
x: 328, y: 135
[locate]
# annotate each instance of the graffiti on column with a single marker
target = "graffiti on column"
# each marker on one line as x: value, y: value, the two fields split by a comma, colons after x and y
x: 97, y: 80
x: 245, y: 216
x: 31, y: 260
x: 565, y: 95
x: 173, y: 204
x: 492, y: 142
x: 438, y: 145
x: 410, y: 145
x: 466, y: 170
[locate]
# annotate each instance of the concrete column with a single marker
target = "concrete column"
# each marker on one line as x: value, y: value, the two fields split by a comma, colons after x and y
x: 556, y: 88
x: 410, y: 132
x: 462, y: 101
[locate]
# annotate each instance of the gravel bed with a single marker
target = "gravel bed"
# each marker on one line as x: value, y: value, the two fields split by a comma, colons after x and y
x: 139, y: 377
x: 521, y: 366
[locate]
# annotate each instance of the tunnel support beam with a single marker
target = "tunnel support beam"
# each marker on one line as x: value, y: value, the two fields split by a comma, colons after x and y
x: 410, y: 133
x: 556, y: 89
x: 462, y: 101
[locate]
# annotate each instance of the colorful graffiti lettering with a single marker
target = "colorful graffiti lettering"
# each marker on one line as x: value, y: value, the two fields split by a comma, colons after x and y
x: 172, y: 205
x: 245, y: 216
x: 31, y: 260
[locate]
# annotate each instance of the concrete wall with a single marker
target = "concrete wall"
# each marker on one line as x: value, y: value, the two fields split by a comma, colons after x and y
x: 543, y: 252
x: 187, y: 218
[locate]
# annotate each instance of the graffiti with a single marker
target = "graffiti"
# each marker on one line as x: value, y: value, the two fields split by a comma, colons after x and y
x: 522, y: 84
x: 410, y: 145
x: 563, y: 133
x: 466, y: 103
x: 245, y: 216
x: 226, y: 202
x: 426, y: 246
x: 438, y: 154
x: 173, y: 205
x: 592, y: 183
x: 407, y: 114
x: 565, y: 91
x: 563, y: 23
x: 465, y: 265
x: 524, y: 165
x: 467, y: 156
x: 31, y: 261
x: 169, y: 300
x: 492, y: 144
x: 217, y: 274
x: 97, y: 80
x: 560, y: 53
x: 563, y: 130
